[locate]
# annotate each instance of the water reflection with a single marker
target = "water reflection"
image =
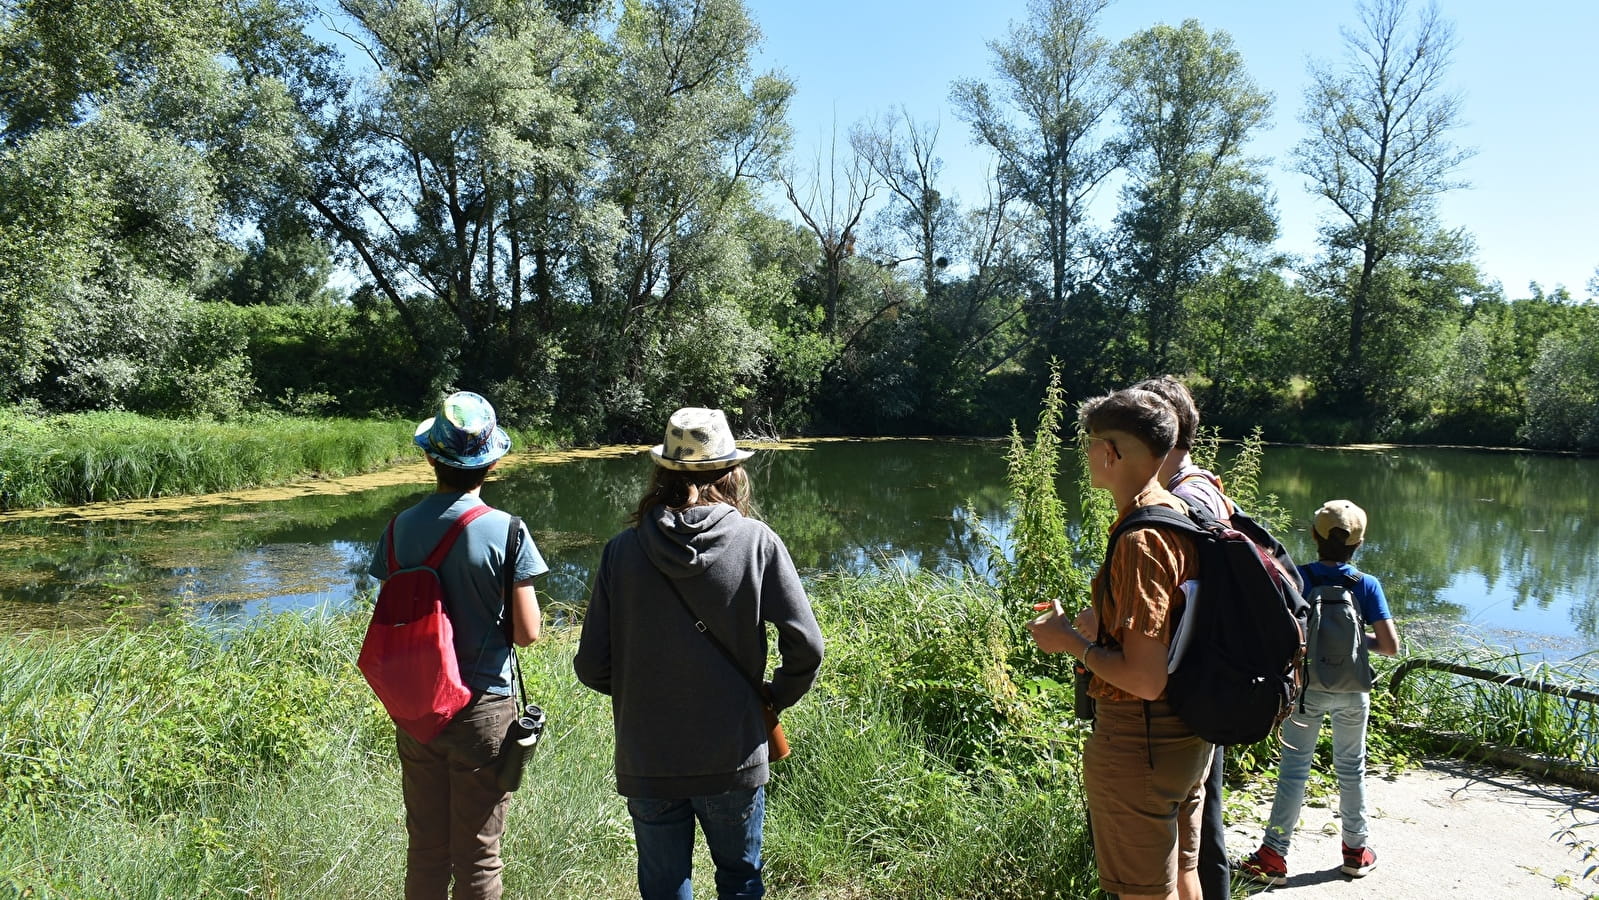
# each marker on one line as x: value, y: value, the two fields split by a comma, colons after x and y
x: 1501, y: 545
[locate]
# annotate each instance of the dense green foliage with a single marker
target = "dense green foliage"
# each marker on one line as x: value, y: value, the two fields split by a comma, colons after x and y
x: 574, y: 209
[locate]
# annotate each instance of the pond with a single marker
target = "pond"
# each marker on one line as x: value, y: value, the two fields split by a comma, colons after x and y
x: 1495, y: 546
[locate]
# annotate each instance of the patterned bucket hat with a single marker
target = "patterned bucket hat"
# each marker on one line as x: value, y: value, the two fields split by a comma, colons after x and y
x: 698, y: 440
x: 464, y: 434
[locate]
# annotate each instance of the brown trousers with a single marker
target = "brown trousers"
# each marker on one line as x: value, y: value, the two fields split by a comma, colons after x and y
x: 1144, y: 780
x: 454, y: 811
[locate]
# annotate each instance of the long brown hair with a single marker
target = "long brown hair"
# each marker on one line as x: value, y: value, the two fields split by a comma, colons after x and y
x: 681, y: 490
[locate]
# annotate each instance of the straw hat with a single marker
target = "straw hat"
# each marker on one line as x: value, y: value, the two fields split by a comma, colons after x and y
x: 698, y: 440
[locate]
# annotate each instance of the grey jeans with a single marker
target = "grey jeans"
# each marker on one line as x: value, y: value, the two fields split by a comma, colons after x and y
x: 454, y: 810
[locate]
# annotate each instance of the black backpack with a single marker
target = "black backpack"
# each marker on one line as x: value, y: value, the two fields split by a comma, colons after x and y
x: 1240, y: 666
x: 1336, y: 656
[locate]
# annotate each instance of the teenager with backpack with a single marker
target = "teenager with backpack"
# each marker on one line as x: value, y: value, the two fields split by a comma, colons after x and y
x: 676, y: 634
x: 1338, y: 685
x: 1143, y: 767
x: 1199, y: 487
x: 454, y: 806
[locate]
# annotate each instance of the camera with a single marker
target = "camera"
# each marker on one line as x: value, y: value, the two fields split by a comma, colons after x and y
x: 1082, y: 704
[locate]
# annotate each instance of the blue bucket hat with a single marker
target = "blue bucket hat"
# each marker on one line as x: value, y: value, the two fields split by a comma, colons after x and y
x: 464, y: 434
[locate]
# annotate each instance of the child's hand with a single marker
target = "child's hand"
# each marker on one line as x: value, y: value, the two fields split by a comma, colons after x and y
x: 1088, y: 622
x: 1049, y: 630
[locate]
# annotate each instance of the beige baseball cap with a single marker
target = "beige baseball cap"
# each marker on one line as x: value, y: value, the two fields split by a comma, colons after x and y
x: 1341, y: 514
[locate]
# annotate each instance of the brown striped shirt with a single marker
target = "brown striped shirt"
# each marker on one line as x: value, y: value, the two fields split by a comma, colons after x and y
x: 1147, y: 571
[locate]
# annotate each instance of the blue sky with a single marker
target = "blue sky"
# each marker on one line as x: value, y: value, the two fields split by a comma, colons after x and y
x: 1530, y: 102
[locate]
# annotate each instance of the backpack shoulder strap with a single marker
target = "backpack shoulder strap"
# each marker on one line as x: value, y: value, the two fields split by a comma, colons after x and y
x: 394, y: 561
x: 1147, y: 516
x: 1153, y: 517
x: 436, y: 558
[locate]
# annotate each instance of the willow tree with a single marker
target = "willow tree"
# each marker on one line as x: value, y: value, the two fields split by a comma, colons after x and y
x: 1188, y: 112
x: 456, y: 148
x: 131, y: 148
x: 687, y: 129
x: 1379, y: 152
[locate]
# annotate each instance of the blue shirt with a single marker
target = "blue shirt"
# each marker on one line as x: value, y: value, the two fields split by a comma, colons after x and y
x: 1368, y: 591
x: 473, y: 577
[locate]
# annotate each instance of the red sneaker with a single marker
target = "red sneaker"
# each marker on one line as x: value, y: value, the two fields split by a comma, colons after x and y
x: 1358, y: 861
x: 1266, y: 866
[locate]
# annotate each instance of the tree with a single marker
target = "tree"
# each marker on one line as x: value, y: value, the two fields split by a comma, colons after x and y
x: 1188, y: 110
x: 1563, y: 399
x: 1243, y: 294
x: 831, y: 199
x: 686, y: 130
x: 1379, y: 152
x: 437, y: 178
x: 902, y: 154
x: 1047, y: 126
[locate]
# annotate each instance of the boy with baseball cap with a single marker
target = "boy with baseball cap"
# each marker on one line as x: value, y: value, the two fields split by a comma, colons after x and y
x: 1339, y: 529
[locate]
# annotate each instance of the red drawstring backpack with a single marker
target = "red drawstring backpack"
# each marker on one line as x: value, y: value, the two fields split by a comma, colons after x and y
x: 408, y: 655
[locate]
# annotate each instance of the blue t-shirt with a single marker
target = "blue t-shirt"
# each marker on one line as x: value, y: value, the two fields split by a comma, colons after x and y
x: 472, y: 575
x: 1368, y: 592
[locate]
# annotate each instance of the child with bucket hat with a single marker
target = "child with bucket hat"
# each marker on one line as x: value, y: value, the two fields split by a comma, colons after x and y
x: 676, y: 634
x: 454, y: 806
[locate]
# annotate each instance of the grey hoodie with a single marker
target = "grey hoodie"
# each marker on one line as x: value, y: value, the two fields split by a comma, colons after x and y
x: 687, y: 723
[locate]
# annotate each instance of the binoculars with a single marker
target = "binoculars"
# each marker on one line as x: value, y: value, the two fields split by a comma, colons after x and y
x: 520, y: 740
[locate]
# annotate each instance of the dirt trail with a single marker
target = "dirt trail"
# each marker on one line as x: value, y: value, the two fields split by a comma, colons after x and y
x: 1446, y: 830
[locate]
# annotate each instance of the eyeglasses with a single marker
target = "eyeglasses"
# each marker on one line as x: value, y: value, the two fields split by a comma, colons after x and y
x: 1089, y: 439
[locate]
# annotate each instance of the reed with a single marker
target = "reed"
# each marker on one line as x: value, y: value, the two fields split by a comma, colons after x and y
x: 1469, y: 710
x: 88, y: 457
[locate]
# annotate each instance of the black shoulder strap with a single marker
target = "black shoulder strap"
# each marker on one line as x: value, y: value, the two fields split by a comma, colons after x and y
x: 1145, y: 516
x: 513, y: 546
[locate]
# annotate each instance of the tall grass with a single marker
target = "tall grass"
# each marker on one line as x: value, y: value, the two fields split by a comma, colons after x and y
x: 1454, y: 708
x: 88, y: 457
x: 935, y: 759
x: 173, y: 762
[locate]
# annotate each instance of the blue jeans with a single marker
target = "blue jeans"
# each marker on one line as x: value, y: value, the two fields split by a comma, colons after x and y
x: 664, y: 830
x: 1349, y: 713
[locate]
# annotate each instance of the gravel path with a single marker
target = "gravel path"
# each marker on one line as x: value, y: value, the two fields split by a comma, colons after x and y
x: 1445, y: 830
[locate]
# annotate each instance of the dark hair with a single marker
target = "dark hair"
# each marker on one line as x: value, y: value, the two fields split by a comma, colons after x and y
x: 462, y: 480
x: 677, y: 489
x: 1333, y: 547
x: 1182, y: 403
x: 1143, y: 414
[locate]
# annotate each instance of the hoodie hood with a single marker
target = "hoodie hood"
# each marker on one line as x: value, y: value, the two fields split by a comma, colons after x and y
x: 684, y: 543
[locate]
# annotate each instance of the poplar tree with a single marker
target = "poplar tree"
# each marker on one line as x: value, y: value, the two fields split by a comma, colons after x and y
x: 1379, y: 152
x: 1188, y: 112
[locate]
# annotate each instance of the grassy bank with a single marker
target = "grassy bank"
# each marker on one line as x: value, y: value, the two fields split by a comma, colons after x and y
x: 88, y: 457
x: 937, y: 758
x: 167, y: 763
